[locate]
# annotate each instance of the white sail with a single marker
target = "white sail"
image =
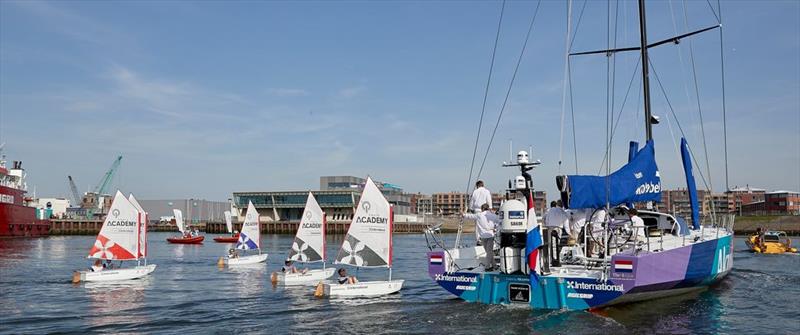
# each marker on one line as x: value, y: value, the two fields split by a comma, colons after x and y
x: 179, y: 220
x: 119, y: 237
x: 369, y: 240
x: 250, y: 236
x: 228, y: 221
x: 309, y: 243
x: 142, y: 226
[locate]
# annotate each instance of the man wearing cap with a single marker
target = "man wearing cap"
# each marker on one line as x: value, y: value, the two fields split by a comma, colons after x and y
x: 480, y: 196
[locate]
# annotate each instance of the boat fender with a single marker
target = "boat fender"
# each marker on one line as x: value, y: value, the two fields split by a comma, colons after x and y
x: 320, y: 290
x: 76, y: 277
x: 221, y: 262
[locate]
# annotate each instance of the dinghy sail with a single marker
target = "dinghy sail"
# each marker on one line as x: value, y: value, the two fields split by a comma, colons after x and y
x: 179, y: 221
x: 308, y: 247
x: 228, y: 222
x: 368, y: 244
x: 122, y: 237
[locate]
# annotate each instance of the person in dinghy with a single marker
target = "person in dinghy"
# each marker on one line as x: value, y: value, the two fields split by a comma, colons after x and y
x: 344, y: 279
x: 288, y: 267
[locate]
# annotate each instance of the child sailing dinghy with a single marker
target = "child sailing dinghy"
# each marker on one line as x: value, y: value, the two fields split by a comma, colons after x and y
x: 186, y: 234
x: 249, y: 239
x: 123, y: 237
x: 308, y: 247
x: 229, y: 224
x: 368, y: 244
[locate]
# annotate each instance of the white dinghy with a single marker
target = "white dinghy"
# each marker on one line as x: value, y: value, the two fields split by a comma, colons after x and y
x: 249, y: 239
x: 368, y: 244
x: 123, y: 237
x: 308, y: 247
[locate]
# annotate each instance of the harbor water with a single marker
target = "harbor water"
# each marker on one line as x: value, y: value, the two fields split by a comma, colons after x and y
x: 188, y: 293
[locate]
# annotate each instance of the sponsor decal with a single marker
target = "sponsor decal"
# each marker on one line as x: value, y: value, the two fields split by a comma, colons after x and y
x: 466, y: 288
x: 576, y: 285
x: 460, y: 278
x: 312, y: 225
x: 6, y: 198
x: 519, y: 292
x: 638, y: 175
x: 580, y: 295
x: 648, y: 188
x: 516, y: 214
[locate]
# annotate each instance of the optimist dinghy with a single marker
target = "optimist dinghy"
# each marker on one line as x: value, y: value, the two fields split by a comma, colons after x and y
x: 308, y: 247
x: 368, y: 244
x: 249, y: 239
x: 123, y: 237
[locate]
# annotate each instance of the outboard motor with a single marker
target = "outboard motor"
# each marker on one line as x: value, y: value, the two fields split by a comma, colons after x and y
x: 513, y: 235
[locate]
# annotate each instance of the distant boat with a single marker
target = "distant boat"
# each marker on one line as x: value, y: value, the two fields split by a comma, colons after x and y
x: 308, y: 247
x: 187, y: 235
x: 368, y: 244
x: 123, y: 237
x: 249, y: 239
x: 229, y: 224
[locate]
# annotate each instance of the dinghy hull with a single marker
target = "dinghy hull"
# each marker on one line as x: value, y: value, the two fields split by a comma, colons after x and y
x: 114, y: 274
x: 309, y: 278
x: 362, y: 289
x: 247, y: 260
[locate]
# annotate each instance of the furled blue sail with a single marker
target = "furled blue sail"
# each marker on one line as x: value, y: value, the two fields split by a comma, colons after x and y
x: 637, y: 181
x: 690, y: 185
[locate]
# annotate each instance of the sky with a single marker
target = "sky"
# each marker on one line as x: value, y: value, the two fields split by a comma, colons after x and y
x: 203, y: 99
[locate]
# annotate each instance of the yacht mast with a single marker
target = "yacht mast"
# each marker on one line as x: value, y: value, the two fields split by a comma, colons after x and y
x: 648, y: 126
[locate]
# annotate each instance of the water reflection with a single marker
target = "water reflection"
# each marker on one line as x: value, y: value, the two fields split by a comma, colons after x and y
x: 117, y: 303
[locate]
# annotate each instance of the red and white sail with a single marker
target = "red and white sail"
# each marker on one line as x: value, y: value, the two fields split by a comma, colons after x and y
x: 309, y: 242
x: 369, y: 240
x: 119, y: 237
x: 179, y: 220
x: 142, y: 219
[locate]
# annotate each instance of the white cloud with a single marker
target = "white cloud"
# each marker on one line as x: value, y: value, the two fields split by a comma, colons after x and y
x: 288, y: 92
x: 351, y: 92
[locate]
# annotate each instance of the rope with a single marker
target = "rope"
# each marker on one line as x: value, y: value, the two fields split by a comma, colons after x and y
x: 510, y: 86
x: 483, y: 111
x: 700, y: 112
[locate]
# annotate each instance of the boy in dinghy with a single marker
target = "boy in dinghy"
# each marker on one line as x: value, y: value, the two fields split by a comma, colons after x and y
x: 288, y: 267
x: 344, y: 279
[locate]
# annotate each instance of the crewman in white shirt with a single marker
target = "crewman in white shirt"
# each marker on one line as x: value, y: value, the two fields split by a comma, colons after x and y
x: 485, y: 222
x: 480, y: 196
x: 637, y: 224
x: 555, y: 219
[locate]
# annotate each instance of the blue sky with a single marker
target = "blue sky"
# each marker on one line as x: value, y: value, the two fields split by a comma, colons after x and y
x: 206, y: 98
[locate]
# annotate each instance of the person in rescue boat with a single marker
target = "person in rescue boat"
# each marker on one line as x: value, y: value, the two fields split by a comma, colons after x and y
x: 344, y: 279
x: 480, y: 196
x: 485, y: 223
x: 555, y: 219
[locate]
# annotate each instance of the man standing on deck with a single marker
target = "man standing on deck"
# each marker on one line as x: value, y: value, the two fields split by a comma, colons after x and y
x: 637, y: 224
x: 485, y: 222
x: 554, y: 220
x: 480, y: 196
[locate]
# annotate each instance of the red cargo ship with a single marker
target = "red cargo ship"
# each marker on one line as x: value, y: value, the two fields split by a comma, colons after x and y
x: 17, y: 216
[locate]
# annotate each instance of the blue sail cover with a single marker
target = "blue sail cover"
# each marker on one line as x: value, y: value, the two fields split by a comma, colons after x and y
x: 690, y: 185
x: 637, y: 181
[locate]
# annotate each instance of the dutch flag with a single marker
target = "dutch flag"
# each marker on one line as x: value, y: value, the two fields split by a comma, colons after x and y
x: 436, y: 259
x: 534, y: 239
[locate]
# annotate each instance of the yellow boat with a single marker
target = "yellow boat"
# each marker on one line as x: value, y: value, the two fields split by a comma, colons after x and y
x: 775, y: 242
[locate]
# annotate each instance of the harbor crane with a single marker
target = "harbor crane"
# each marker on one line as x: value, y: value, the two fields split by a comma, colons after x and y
x: 105, y: 182
x: 75, y: 195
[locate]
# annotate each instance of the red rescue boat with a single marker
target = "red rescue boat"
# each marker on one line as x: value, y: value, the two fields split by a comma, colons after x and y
x: 186, y: 239
x: 227, y: 239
